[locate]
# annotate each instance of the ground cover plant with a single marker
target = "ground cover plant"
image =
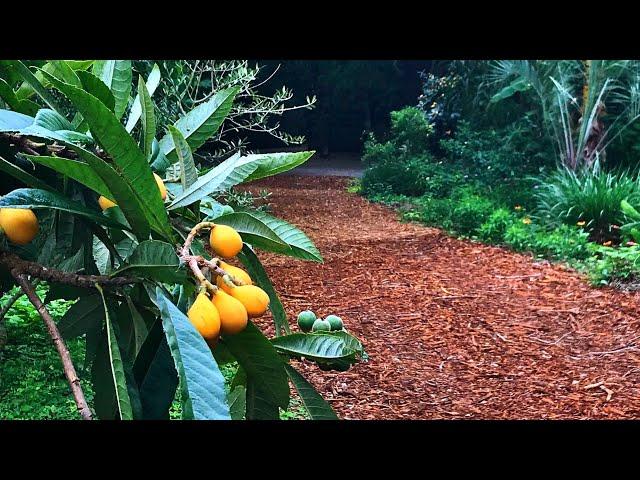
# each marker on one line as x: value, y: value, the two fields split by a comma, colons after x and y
x: 119, y: 217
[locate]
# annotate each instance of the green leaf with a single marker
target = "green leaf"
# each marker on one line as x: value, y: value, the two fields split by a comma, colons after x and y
x: 117, y: 75
x: 237, y: 400
x: 259, y: 405
x: 261, y: 362
x: 629, y: 211
x: 339, y: 349
x: 24, y: 177
x: 253, y: 230
x: 25, y: 90
x: 22, y: 106
x: 117, y: 367
x: 154, y: 260
x: 201, y: 383
x: 188, y: 172
x: 14, y: 121
x: 63, y: 72
x: 97, y: 88
x: 518, y: 85
x: 148, y: 118
x: 34, y: 198
x: 282, y: 237
x: 259, y: 275
x: 219, y: 178
x: 274, y: 163
x: 152, y: 83
x: 84, y: 315
x: 51, y: 120
x: 128, y: 161
x: 201, y: 123
x: 75, y: 169
x: 317, y: 406
x: 156, y: 375
x: 140, y: 330
x: 34, y: 83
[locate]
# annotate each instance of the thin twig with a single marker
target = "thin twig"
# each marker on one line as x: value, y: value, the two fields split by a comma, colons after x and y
x: 67, y: 363
x: 13, y: 299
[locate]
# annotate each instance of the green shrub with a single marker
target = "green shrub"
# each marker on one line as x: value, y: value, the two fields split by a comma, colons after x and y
x: 494, y: 228
x: 562, y: 243
x: 435, y: 212
x: 615, y: 265
x: 470, y: 211
x: 593, y: 197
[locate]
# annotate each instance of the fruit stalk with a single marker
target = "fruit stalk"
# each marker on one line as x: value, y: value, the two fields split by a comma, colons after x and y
x: 67, y: 363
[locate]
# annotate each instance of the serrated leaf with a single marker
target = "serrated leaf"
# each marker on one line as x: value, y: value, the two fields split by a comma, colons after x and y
x: 201, y: 383
x: 261, y: 362
x: 259, y: 275
x: 128, y: 161
x: 22, y: 106
x: 155, y: 260
x: 84, y: 315
x: 51, y: 120
x: 259, y: 405
x: 283, y: 238
x: 152, y: 83
x: 317, y: 406
x: 220, y: 178
x: 34, y: 83
x: 117, y: 75
x: 96, y: 87
x: 123, y: 402
x: 274, y: 163
x: 188, y: 172
x: 201, y: 123
x: 320, y: 346
x: 148, y: 118
x: 34, y: 198
x: 77, y: 170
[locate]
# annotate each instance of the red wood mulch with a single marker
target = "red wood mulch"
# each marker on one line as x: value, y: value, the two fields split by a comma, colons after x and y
x: 453, y: 329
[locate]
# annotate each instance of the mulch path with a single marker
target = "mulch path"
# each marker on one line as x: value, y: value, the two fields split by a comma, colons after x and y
x: 453, y: 329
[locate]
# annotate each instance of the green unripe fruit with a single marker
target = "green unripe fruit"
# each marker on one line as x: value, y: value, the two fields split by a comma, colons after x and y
x: 305, y: 320
x: 321, y: 326
x: 335, y: 322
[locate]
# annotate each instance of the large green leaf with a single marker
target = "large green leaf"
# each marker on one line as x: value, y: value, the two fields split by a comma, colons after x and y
x: 51, y: 120
x: 156, y: 375
x: 518, y: 85
x: 22, y: 106
x: 188, y: 172
x: 271, y: 233
x: 97, y: 88
x: 34, y: 198
x: 23, y: 176
x: 152, y: 83
x: 34, y: 83
x: 140, y: 329
x: 201, y: 383
x: 148, y: 118
x: 84, y: 315
x: 75, y: 169
x: 123, y: 401
x: 334, y: 347
x: 117, y: 75
x: 63, y: 72
x: 629, y: 211
x: 258, y: 402
x: 237, y: 400
x: 219, y: 178
x: 317, y: 406
x: 261, y: 362
x: 25, y: 90
x: 154, y: 260
x: 274, y: 163
x: 128, y: 161
x: 201, y: 123
x: 260, y: 278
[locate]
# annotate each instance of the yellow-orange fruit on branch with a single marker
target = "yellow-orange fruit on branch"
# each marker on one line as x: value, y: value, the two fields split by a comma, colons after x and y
x: 254, y: 299
x: 235, y: 272
x: 205, y: 317
x: 225, y: 241
x: 105, y: 203
x: 20, y: 225
x: 233, y: 315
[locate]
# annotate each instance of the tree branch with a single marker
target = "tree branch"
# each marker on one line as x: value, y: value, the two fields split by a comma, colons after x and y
x: 67, y: 363
x: 18, y: 266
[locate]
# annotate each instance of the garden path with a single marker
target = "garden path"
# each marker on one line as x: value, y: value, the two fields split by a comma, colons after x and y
x: 453, y: 329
